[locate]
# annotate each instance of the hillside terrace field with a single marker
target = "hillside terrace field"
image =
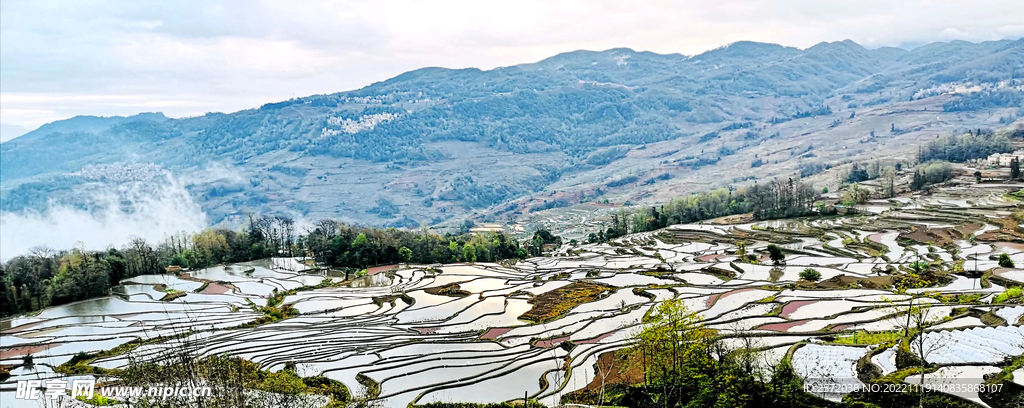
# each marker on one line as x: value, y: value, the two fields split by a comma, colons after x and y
x: 413, y: 343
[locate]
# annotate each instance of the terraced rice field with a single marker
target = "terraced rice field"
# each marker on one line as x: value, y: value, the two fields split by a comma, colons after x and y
x: 422, y: 347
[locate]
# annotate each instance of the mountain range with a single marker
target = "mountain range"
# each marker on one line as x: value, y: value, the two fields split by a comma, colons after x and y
x: 440, y: 145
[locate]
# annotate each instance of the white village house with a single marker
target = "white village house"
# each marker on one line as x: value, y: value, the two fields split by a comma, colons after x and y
x: 1004, y: 159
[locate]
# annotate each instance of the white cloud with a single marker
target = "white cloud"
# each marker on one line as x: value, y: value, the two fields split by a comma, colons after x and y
x: 151, y: 211
x: 187, y: 58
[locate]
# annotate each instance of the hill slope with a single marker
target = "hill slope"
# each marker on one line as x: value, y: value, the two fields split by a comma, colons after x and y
x: 436, y: 144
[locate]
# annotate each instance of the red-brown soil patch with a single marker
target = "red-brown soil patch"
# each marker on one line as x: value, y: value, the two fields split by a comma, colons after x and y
x: 495, y: 332
x: 714, y: 298
x: 998, y: 273
x: 597, y: 339
x: 25, y: 350
x: 1012, y: 246
x: 780, y: 327
x: 378, y: 269
x: 970, y: 228
x: 426, y: 330
x: 936, y: 236
x: 709, y: 257
x: 26, y: 326
x: 214, y: 288
x: 791, y: 307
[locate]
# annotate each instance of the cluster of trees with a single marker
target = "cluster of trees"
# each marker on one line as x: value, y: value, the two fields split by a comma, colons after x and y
x: 344, y: 246
x: 47, y: 277
x: 338, y: 245
x: 930, y: 173
x: 961, y: 148
x: 775, y: 199
x: 540, y: 238
x: 808, y: 169
x: 871, y: 170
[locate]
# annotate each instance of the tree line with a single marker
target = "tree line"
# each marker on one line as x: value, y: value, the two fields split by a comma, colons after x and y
x: 345, y: 246
x: 968, y: 146
x: 47, y: 277
x: 775, y: 199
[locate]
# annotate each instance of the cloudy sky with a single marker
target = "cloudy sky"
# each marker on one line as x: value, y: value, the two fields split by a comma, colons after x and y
x: 61, y: 59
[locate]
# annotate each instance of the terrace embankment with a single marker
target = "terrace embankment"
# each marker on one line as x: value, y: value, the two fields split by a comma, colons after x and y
x: 612, y: 368
x: 452, y: 289
x: 847, y: 281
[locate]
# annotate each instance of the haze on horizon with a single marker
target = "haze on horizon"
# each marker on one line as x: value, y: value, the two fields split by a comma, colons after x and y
x: 187, y: 58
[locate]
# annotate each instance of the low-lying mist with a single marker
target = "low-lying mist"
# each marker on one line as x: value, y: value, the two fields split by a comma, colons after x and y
x: 152, y: 209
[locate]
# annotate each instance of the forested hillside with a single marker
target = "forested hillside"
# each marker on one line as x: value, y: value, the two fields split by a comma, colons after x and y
x: 436, y: 144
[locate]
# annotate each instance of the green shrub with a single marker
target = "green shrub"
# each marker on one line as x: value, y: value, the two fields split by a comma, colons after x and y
x: 1005, y: 261
x: 98, y: 400
x: 776, y: 254
x: 1008, y: 294
x: 810, y: 274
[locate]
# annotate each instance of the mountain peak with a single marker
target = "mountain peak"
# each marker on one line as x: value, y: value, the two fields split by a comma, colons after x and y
x: 746, y: 50
x: 91, y: 124
x: 845, y: 44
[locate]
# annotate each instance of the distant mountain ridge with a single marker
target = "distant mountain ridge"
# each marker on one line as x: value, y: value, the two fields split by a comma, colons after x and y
x: 91, y: 124
x: 435, y: 144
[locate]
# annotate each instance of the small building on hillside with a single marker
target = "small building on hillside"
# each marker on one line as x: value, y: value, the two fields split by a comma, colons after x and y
x: 1004, y: 159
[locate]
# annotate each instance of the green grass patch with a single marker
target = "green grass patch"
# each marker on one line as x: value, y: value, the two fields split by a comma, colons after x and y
x: 865, y: 337
x: 967, y: 299
x: 1008, y: 295
x: 552, y: 304
x: 98, y: 400
x: 172, y: 294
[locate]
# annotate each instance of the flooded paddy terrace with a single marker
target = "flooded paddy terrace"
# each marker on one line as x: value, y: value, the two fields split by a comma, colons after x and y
x: 472, y: 344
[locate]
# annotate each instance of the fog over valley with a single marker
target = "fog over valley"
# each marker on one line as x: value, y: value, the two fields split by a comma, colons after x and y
x: 107, y: 214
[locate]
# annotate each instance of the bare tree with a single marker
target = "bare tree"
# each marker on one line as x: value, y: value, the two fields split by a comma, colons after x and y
x: 889, y: 181
x: 913, y: 320
x: 603, y: 373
